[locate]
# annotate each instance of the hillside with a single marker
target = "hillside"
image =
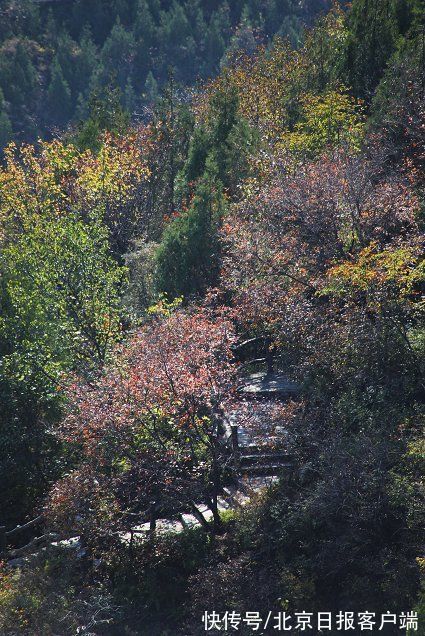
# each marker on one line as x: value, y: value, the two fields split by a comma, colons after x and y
x: 54, y: 56
x: 212, y: 335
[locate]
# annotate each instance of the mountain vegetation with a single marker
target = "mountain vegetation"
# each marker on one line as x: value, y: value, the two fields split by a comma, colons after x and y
x: 281, y: 199
x: 56, y: 55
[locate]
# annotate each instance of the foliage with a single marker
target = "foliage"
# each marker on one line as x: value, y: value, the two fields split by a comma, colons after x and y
x: 149, y: 429
x: 283, y: 200
x: 49, y: 54
x: 49, y: 597
x: 60, y: 297
x: 327, y: 120
x: 187, y: 260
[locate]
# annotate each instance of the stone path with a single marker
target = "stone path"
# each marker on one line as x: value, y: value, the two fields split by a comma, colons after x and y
x: 232, y: 499
x: 261, y: 455
x: 270, y: 386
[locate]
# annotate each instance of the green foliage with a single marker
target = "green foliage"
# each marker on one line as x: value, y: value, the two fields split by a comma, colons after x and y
x: 105, y: 113
x: 151, y: 88
x: 327, y: 121
x: 62, y: 289
x: 124, y: 41
x: 60, y: 311
x: 5, y: 124
x: 188, y: 257
x: 217, y: 158
x: 312, y: 237
x: 375, y: 28
x: 59, y: 96
x: 49, y: 599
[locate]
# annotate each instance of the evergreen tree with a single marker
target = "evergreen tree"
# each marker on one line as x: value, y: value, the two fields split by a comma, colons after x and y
x: 374, y: 29
x: 51, y: 30
x: 176, y: 42
x: 117, y: 56
x: 214, y: 45
x: 5, y: 124
x: 199, y: 148
x: 151, y: 88
x: 144, y: 26
x: 18, y: 76
x: 242, y: 40
x: 59, y: 96
x: 145, y: 36
x: 93, y: 14
x: 86, y: 61
x: 231, y: 137
x: 105, y: 112
x: 130, y: 97
x: 196, y: 19
x: 189, y: 254
x: 65, y: 56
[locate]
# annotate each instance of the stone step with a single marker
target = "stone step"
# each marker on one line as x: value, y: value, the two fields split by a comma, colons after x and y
x: 265, y: 385
x: 259, y: 449
x: 264, y: 458
x: 266, y: 470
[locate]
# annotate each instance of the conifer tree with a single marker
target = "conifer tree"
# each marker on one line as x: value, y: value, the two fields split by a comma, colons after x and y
x: 85, y: 61
x: 59, y: 96
x: 375, y: 27
x: 117, y: 56
x: 188, y: 257
x: 5, y: 124
x: 151, y: 88
x: 130, y: 97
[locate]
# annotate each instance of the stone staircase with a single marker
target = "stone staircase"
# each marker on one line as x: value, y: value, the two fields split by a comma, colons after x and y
x: 255, y: 460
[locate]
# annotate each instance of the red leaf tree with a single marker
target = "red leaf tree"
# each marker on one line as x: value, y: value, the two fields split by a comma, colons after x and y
x: 151, y: 427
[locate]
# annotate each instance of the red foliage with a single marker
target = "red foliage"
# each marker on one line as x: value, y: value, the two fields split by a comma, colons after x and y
x: 150, y: 427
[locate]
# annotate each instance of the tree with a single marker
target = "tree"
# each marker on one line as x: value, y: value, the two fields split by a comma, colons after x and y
x: 151, y: 88
x: 397, y: 108
x: 59, y: 96
x: 65, y: 57
x: 189, y: 253
x: 85, y: 61
x: 60, y: 311
x: 374, y: 30
x: 149, y: 428
x: 214, y: 46
x: 6, y: 131
x: 18, y: 79
x: 105, y: 113
x: 117, y: 56
x: 130, y: 97
x: 286, y: 237
x: 326, y: 121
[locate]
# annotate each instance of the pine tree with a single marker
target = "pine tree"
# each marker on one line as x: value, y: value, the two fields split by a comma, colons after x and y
x: 375, y: 27
x: 59, y: 96
x: 51, y: 29
x: 65, y: 55
x: 130, y: 97
x: 22, y: 79
x: 144, y: 27
x: 188, y: 258
x: 196, y: 20
x: 105, y: 112
x: 242, y: 40
x: 214, y: 46
x: 151, y: 88
x: 117, y: 56
x: 86, y: 61
x: 6, y: 132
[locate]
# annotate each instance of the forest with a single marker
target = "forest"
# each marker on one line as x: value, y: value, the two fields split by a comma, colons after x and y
x: 57, y: 56
x: 212, y: 338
